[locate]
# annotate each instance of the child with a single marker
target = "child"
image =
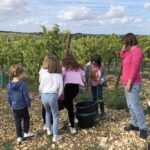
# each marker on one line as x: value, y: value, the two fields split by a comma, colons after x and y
x: 19, y: 100
x: 51, y: 86
x: 73, y: 76
x: 95, y: 78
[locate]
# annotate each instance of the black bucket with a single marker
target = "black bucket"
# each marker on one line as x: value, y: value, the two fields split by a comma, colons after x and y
x: 86, y: 114
x: 86, y: 120
x: 85, y: 107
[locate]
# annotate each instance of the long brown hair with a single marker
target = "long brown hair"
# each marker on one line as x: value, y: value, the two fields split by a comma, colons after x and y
x: 51, y: 63
x: 70, y: 63
x: 129, y: 40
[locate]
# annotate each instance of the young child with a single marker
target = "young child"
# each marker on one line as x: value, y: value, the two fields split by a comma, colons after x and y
x: 51, y: 86
x: 19, y: 100
x: 95, y: 78
x: 73, y: 76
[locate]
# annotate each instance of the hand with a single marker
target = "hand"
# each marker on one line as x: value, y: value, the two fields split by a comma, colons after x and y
x: 128, y: 86
x: 100, y: 82
x: 123, y: 48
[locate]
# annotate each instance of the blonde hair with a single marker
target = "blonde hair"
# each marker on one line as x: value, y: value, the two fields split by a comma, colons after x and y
x: 51, y: 63
x: 16, y: 70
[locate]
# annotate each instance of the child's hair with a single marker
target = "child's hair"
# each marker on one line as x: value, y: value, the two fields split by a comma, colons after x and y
x: 16, y: 70
x: 129, y: 40
x: 51, y: 63
x: 96, y: 58
x: 69, y: 62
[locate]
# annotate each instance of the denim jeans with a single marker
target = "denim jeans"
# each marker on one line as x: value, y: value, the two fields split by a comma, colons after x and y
x: 50, y: 103
x: 97, y: 94
x: 135, y: 109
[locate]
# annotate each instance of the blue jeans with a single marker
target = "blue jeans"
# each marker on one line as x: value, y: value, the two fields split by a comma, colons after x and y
x: 97, y: 94
x: 50, y: 103
x: 135, y: 109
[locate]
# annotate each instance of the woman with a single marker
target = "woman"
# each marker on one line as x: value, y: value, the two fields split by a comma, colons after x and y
x: 73, y: 76
x: 51, y: 86
x: 95, y: 78
x: 132, y: 57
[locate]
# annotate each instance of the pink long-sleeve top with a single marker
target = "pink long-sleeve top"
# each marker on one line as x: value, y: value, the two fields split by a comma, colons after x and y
x: 72, y: 76
x: 132, y: 61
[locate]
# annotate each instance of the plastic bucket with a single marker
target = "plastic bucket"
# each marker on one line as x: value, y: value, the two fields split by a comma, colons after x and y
x: 86, y: 120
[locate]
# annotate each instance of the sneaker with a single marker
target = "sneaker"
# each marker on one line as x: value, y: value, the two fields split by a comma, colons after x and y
x: 73, y: 130
x: 75, y: 120
x: 131, y: 127
x: 57, y: 138
x: 19, y: 140
x: 29, y: 134
x: 49, y: 132
x: 143, y: 134
x: 44, y: 128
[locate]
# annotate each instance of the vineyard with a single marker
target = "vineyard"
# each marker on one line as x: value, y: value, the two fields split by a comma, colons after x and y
x: 29, y: 50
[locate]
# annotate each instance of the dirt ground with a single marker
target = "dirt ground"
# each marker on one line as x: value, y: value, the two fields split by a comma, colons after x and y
x: 107, y: 134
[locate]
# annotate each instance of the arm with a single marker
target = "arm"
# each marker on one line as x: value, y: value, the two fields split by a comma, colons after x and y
x: 26, y: 95
x: 8, y: 97
x: 103, y: 75
x: 123, y: 52
x: 60, y: 89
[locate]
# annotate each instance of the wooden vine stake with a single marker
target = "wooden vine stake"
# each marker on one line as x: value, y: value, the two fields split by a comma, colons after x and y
x: 118, y: 77
x: 68, y: 49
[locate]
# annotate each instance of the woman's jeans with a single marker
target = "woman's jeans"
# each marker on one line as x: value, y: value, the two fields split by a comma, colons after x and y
x: 135, y: 109
x: 97, y: 94
x: 50, y: 103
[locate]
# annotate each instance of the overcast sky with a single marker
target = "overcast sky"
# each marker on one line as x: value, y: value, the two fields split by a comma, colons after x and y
x: 84, y: 16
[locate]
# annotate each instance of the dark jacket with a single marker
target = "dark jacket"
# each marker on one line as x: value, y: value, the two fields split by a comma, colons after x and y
x: 18, y: 96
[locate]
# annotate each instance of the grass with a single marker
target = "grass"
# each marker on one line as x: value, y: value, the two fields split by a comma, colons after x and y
x: 7, y: 145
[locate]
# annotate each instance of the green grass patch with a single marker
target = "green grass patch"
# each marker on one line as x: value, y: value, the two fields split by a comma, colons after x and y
x: 115, y: 99
x: 7, y: 145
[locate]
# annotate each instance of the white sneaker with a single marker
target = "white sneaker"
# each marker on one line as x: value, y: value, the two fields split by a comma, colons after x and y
x: 44, y: 128
x: 57, y: 138
x: 76, y: 120
x: 29, y: 134
x: 73, y: 130
x: 49, y: 132
x: 19, y: 140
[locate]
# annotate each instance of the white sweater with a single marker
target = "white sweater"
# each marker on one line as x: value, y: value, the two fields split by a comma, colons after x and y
x: 50, y: 82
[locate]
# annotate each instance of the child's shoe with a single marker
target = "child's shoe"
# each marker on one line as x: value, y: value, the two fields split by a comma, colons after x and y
x: 19, y: 140
x: 57, y: 138
x: 44, y: 128
x: 73, y: 130
x: 29, y: 134
x: 49, y: 132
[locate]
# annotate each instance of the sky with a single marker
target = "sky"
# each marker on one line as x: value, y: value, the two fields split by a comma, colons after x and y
x: 78, y: 16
